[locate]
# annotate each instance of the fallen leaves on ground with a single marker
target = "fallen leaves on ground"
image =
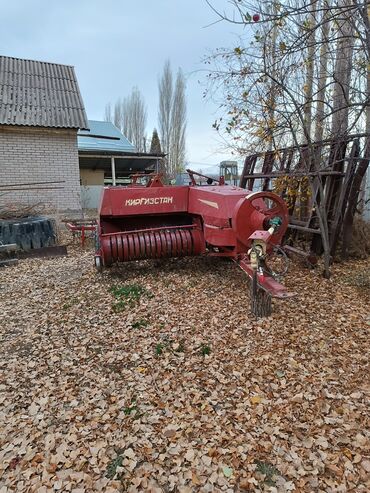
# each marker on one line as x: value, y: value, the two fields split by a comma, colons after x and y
x: 174, y: 386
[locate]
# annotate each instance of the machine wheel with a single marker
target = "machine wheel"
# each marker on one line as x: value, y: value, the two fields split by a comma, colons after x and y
x: 270, y: 205
x: 255, y: 212
x: 98, y: 263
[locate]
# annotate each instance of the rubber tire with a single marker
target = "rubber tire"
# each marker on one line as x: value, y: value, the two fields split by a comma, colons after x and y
x: 28, y: 233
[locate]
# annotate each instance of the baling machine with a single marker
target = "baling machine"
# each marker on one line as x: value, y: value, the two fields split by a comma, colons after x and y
x: 155, y: 221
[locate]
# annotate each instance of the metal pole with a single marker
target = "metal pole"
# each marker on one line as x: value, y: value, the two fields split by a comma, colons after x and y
x: 113, y: 171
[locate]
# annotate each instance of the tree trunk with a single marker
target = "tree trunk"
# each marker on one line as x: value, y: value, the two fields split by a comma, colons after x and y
x: 341, y: 100
x: 366, y: 15
x: 342, y: 72
x: 323, y: 74
x: 272, y: 88
x: 353, y: 198
x: 307, y: 109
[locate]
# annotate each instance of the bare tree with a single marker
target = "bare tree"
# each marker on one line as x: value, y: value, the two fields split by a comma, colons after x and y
x: 172, y: 118
x: 117, y: 114
x: 271, y: 54
x: 310, y: 63
x: 343, y: 69
x: 108, y: 113
x: 322, y: 72
x: 165, y: 87
x: 314, y: 46
x: 178, y: 125
x: 138, y: 119
x: 126, y: 118
x: 310, y: 75
x: 130, y: 116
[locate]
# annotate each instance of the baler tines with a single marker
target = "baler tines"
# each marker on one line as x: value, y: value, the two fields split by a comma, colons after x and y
x: 139, y: 222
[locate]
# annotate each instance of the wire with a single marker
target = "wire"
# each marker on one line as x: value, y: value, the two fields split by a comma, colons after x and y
x: 274, y: 273
x: 207, y: 165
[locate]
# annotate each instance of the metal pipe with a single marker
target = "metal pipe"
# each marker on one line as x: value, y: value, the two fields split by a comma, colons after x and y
x: 31, y: 183
x: 30, y: 189
x: 113, y: 165
x: 118, y: 156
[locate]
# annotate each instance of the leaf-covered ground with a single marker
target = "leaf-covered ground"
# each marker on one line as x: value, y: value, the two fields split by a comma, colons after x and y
x: 154, y: 377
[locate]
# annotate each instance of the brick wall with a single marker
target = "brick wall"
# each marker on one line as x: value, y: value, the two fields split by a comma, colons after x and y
x: 39, y: 155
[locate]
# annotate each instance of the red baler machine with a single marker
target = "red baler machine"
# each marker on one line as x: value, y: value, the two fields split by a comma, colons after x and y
x: 155, y: 221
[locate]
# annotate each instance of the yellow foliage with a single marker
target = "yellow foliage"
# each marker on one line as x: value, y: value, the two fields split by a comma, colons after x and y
x: 259, y: 132
x: 293, y: 188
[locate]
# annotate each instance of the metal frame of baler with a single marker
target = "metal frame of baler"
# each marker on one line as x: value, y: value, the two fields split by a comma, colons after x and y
x: 252, y: 262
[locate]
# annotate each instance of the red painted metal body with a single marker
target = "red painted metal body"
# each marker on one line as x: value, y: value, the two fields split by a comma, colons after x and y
x: 155, y: 221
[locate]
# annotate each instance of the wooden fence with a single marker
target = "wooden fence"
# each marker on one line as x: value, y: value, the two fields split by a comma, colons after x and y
x: 296, y: 173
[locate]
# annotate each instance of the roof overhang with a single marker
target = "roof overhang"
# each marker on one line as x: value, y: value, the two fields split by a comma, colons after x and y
x: 125, y: 163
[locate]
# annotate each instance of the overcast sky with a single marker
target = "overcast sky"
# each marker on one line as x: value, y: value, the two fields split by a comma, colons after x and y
x: 115, y: 45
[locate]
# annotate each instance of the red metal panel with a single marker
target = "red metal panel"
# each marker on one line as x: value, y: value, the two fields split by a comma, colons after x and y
x: 219, y: 237
x: 161, y: 221
x: 127, y: 201
x: 145, y: 222
x: 216, y: 202
x: 260, y: 235
x: 266, y: 282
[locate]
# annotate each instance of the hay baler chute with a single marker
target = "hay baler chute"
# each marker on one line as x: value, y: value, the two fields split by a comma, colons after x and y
x: 158, y: 221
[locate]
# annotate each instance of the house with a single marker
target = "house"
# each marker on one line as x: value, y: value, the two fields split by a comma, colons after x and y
x: 49, y: 151
x: 106, y: 157
x: 41, y: 110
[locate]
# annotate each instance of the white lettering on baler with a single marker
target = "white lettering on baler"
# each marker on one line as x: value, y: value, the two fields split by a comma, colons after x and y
x: 149, y: 201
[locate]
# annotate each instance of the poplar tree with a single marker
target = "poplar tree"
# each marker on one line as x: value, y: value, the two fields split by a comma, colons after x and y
x: 172, y: 119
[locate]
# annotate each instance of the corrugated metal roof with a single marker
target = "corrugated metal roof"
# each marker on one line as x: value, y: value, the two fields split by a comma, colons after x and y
x: 40, y: 94
x: 103, y: 136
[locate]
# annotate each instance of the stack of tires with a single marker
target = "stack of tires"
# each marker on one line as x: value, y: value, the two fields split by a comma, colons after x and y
x: 28, y: 233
